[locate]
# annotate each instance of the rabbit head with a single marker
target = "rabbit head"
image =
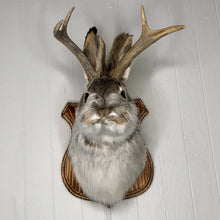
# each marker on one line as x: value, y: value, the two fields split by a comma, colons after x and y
x: 106, y: 110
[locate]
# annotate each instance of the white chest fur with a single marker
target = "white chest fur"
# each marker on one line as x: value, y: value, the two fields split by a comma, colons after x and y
x: 104, y: 172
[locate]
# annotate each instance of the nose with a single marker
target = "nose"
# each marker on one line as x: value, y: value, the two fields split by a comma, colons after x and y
x: 103, y: 112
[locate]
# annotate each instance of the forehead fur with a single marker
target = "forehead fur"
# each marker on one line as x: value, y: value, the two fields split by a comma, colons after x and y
x: 104, y: 85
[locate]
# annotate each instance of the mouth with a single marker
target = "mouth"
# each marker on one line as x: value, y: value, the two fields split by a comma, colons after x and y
x: 106, y: 120
x: 113, y: 125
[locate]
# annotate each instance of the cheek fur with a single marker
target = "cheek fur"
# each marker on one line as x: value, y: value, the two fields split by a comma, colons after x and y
x: 118, y: 125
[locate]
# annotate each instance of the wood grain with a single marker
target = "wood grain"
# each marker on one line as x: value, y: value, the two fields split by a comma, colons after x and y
x: 67, y: 171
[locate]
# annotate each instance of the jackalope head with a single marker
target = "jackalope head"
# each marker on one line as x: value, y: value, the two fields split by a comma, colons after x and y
x: 107, y: 150
x: 105, y: 79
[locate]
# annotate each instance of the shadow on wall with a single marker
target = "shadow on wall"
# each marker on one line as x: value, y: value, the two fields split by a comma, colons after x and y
x: 145, y: 71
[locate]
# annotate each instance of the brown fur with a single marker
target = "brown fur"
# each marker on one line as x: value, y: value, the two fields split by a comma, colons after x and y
x: 121, y: 45
x: 92, y: 144
x: 104, y: 85
x: 94, y: 49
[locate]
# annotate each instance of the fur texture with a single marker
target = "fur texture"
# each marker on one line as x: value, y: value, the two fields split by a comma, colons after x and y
x: 107, y: 150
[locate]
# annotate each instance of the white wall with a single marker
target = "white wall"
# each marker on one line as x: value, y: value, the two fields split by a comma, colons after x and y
x: 178, y: 79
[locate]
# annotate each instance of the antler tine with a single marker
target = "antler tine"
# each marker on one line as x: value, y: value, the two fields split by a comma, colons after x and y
x: 147, y: 38
x: 62, y: 36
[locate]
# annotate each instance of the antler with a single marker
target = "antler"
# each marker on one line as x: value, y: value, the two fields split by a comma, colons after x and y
x: 147, y: 38
x: 63, y: 37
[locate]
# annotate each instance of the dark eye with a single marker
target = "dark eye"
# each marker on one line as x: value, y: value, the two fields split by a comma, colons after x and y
x: 86, y: 97
x: 123, y: 94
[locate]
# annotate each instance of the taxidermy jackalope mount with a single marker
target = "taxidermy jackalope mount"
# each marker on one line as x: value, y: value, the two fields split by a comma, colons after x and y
x: 107, y: 158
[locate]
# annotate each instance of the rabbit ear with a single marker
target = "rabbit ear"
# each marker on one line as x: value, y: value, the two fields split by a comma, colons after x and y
x: 121, y: 45
x: 94, y: 49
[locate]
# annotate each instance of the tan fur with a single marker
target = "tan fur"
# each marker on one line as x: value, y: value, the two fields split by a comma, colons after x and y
x: 94, y: 49
x: 92, y: 144
x: 121, y: 45
x: 120, y: 119
x: 89, y: 121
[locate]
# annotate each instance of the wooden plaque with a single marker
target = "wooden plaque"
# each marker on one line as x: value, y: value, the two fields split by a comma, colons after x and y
x: 67, y: 171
